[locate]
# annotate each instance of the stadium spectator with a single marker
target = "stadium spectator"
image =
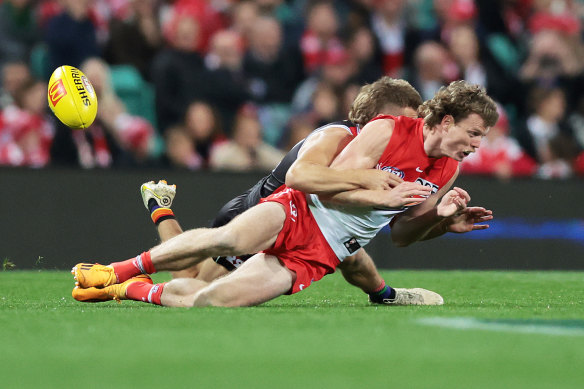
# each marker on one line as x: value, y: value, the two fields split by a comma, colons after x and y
x: 206, y: 14
x: 180, y: 149
x: 14, y: 75
x: 337, y: 71
x: 449, y: 15
x: 71, y: 35
x: 477, y: 66
x: 225, y: 75
x: 205, y: 128
x: 499, y: 155
x: 320, y: 39
x: 246, y: 151
x: 544, y: 135
x: 134, y: 37
x: 273, y: 73
x: 362, y: 46
x: 18, y: 30
x: 133, y: 134
x: 431, y: 62
x: 552, y: 55
x: 326, y: 105
x: 178, y: 73
x: 394, y: 35
x: 244, y: 15
x: 26, y: 133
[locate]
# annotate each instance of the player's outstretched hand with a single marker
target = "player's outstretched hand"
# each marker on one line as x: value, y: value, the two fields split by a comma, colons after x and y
x: 375, y: 179
x: 468, y: 218
x: 406, y: 194
x: 453, y: 202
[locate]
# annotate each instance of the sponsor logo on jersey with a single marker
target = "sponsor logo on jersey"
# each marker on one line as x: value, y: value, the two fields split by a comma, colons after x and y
x: 427, y: 183
x: 57, y: 91
x: 392, y: 169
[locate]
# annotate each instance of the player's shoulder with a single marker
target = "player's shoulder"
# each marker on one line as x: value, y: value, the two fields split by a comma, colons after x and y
x: 341, y: 126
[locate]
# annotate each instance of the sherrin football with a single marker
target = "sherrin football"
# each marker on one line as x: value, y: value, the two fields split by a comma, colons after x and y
x: 72, y: 97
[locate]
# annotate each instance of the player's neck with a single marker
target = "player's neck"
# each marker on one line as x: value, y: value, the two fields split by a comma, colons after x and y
x: 432, y: 142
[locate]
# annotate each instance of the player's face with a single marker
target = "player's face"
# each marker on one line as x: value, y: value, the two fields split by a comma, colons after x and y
x: 463, y: 137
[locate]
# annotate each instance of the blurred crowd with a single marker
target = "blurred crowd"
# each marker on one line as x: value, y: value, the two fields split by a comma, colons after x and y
x: 234, y: 84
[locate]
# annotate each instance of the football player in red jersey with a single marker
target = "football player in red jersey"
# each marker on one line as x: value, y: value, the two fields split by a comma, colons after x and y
x: 306, y: 168
x: 302, y: 237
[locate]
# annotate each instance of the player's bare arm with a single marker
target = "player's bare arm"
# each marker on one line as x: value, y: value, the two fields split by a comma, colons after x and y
x: 312, y: 173
x: 363, y: 153
x: 431, y: 219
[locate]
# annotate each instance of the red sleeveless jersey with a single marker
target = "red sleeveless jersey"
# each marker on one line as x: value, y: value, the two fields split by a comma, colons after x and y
x: 404, y: 155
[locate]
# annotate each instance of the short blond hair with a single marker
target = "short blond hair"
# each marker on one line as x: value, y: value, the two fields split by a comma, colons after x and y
x: 459, y: 99
x: 372, y: 98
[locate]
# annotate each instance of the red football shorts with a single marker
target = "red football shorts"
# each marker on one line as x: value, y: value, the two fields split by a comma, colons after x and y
x: 300, y: 245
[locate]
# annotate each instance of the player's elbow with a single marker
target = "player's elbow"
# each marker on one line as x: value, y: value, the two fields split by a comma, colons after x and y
x: 399, y: 240
x: 294, y: 177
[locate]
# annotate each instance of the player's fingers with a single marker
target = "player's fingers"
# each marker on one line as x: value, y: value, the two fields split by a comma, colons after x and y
x: 393, y: 180
x: 462, y: 193
x: 480, y: 227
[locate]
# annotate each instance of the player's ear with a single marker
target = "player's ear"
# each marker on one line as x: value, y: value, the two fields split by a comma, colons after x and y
x: 447, y: 122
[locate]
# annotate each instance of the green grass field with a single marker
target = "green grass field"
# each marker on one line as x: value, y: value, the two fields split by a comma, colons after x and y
x: 496, y: 330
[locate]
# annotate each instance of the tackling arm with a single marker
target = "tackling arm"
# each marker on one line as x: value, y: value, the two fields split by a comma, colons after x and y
x: 313, y: 172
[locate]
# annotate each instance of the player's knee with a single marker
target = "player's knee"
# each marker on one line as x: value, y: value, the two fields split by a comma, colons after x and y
x: 228, y: 241
x: 217, y: 296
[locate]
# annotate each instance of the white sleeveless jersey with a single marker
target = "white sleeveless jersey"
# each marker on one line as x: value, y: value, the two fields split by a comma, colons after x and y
x: 346, y: 229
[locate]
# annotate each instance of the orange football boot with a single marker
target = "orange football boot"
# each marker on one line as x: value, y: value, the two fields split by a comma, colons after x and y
x: 113, y: 292
x: 90, y: 275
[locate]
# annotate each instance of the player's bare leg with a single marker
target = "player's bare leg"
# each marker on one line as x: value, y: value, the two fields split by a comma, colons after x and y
x: 252, y: 231
x: 209, y: 270
x: 360, y: 270
x: 161, y: 195
x: 261, y: 278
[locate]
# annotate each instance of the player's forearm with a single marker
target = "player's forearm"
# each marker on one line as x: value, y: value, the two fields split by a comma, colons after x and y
x: 357, y: 198
x: 313, y: 178
x: 407, y: 230
x: 438, y: 230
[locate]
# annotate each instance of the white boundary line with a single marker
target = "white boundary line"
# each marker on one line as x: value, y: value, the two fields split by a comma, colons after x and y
x: 469, y: 323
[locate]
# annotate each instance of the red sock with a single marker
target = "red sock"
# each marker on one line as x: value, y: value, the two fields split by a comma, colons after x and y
x: 145, y: 291
x: 127, y: 269
x: 380, y: 287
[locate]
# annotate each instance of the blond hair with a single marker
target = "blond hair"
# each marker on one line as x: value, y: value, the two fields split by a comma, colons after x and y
x: 373, y: 98
x: 459, y: 99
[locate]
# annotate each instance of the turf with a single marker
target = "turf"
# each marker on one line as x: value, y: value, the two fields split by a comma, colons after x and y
x: 531, y: 335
